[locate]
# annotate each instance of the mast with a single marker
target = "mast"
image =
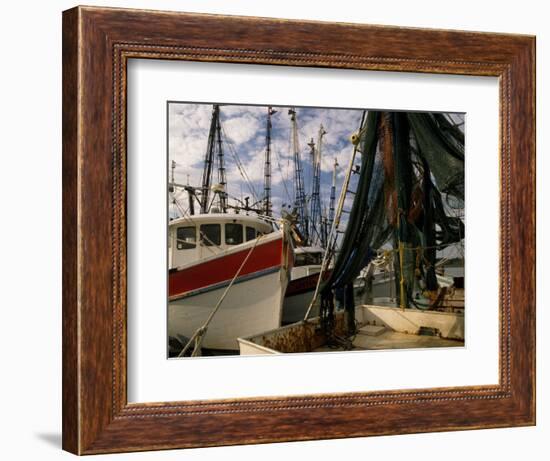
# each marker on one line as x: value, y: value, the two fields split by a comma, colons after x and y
x: 209, y: 160
x: 172, y: 186
x: 222, y: 194
x: 316, y: 218
x: 214, y: 144
x: 267, y: 164
x: 332, y: 195
x: 172, y: 181
x: 311, y: 146
x: 300, y: 196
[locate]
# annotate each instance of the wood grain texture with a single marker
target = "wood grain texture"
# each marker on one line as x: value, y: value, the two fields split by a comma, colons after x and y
x: 70, y: 391
x: 97, y: 43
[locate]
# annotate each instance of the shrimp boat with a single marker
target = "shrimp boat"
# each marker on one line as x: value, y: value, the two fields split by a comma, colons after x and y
x: 206, y: 253
x: 229, y: 263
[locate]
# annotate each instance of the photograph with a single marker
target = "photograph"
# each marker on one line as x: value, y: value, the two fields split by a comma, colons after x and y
x: 313, y: 229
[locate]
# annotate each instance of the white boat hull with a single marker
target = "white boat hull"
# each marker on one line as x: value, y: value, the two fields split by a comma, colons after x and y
x: 251, y: 306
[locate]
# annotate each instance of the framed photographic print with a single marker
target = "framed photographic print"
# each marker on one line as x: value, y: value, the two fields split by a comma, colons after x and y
x: 287, y: 230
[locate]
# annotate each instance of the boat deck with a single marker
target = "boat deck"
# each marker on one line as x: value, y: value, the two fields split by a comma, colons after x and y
x: 394, y: 340
x: 378, y: 328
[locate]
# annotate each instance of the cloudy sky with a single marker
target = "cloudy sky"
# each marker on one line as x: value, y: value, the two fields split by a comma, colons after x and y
x: 245, y: 134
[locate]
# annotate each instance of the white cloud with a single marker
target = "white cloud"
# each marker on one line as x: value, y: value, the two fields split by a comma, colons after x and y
x: 188, y: 126
x: 243, y: 128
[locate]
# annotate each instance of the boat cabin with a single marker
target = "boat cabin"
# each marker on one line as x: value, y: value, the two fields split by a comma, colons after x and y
x: 307, y: 261
x: 200, y: 236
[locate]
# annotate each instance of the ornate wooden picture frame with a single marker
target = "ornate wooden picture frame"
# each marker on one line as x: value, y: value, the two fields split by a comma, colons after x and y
x: 97, y: 44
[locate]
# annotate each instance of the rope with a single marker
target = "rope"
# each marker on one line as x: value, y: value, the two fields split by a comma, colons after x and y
x: 239, y: 164
x: 199, y: 334
x: 284, y: 178
x: 176, y: 202
x: 333, y: 236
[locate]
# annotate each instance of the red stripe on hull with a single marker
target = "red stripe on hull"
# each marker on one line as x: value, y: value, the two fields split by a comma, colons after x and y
x: 221, y: 269
x: 304, y: 284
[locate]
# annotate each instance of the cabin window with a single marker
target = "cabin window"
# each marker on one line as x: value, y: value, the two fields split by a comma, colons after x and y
x: 211, y: 234
x: 250, y: 233
x: 233, y: 234
x: 308, y: 259
x: 186, y: 238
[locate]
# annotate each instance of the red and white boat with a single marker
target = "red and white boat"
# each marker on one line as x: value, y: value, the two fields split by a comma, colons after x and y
x: 205, y: 253
x: 303, y: 281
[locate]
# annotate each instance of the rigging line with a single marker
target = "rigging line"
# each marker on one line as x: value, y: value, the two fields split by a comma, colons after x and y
x: 332, y: 239
x: 199, y: 334
x: 308, y: 172
x: 289, y: 150
x: 178, y: 206
x: 233, y: 149
x: 284, y: 179
x: 201, y: 235
x: 240, y: 166
x: 243, y: 174
x: 204, y: 237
